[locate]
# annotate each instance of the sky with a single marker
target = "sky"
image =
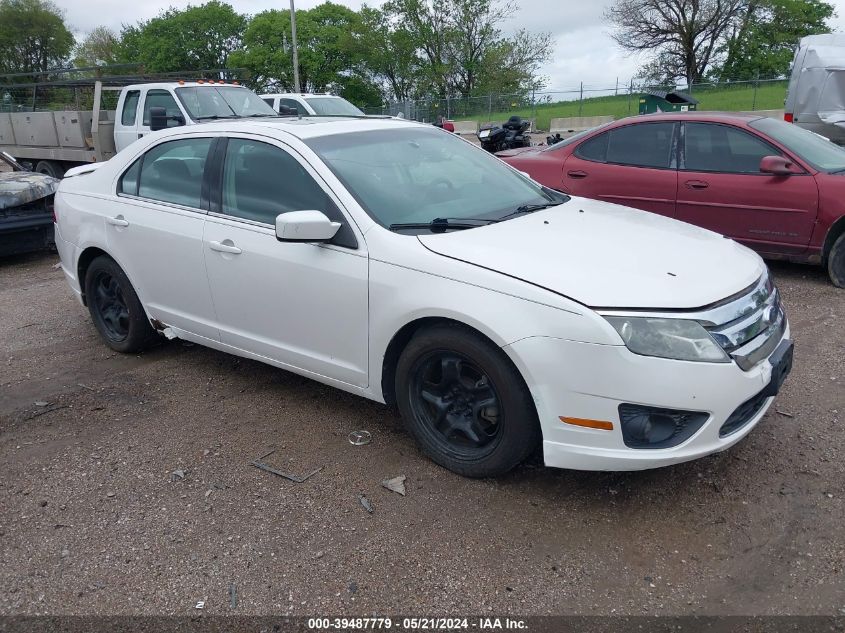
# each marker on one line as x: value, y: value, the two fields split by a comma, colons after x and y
x: 583, y: 49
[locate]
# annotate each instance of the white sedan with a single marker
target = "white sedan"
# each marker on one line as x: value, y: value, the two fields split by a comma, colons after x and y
x: 398, y: 262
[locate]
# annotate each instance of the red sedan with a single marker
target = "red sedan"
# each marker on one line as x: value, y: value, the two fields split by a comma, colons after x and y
x: 773, y: 186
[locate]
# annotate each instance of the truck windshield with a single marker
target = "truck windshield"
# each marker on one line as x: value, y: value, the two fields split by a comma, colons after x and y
x: 819, y: 152
x: 421, y: 175
x: 222, y: 102
x: 333, y: 105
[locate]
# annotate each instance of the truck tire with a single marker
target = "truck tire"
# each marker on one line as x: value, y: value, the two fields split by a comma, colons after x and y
x: 836, y: 262
x: 50, y: 168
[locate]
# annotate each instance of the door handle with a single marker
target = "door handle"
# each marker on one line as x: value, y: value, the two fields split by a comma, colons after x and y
x: 578, y: 174
x: 697, y: 184
x: 220, y: 247
x: 117, y: 221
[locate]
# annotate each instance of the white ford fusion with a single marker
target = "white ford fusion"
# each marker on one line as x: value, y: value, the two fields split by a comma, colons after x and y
x: 398, y: 262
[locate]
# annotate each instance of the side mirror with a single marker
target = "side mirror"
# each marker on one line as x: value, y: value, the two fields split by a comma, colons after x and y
x: 777, y: 166
x: 159, y: 118
x: 286, y: 110
x: 305, y: 226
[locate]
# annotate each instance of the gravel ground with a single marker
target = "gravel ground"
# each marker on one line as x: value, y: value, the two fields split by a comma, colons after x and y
x: 91, y: 521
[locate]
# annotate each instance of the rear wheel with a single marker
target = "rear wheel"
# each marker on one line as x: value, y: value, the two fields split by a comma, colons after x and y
x: 836, y: 262
x: 115, y: 308
x: 465, y: 403
x: 50, y: 168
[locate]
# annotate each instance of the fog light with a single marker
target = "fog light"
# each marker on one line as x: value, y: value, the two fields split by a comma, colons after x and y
x: 653, y: 427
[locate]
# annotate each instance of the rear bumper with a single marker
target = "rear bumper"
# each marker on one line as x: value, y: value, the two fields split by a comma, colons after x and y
x: 586, y: 381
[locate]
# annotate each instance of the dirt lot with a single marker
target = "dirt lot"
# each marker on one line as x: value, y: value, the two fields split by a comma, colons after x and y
x: 91, y: 522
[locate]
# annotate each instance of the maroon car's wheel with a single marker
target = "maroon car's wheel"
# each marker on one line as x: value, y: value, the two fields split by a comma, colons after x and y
x: 836, y: 262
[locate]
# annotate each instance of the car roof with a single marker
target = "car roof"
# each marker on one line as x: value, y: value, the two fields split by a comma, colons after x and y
x: 740, y: 118
x: 184, y: 84
x: 303, y: 127
x: 299, y: 94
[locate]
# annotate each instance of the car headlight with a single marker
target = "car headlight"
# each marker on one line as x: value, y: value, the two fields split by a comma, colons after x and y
x: 678, y: 339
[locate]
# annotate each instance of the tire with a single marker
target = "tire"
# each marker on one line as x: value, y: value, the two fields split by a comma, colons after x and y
x: 465, y: 403
x: 115, y: 308
x: 836, y: 262
x: 51, y: 168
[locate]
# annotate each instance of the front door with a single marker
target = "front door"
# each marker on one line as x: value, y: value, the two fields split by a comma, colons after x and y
x: 155, y: 233
x: 158, y: 97
x: 125, y: 130
x: 302, y: 305
x: 722, y: 188
x: 633, y: 165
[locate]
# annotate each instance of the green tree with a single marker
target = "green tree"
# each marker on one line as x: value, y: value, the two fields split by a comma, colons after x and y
x: 33, y: 36
x: 196, y: 38
x: 100, y: 47
x: 763, y: 42
x: 330, y: 55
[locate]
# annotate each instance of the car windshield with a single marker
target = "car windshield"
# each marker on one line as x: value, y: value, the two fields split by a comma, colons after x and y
x: 215, y: 102
x: 574, y: 138
x: 421, y: 174
x: 819, y: 152
x: 333, y: 105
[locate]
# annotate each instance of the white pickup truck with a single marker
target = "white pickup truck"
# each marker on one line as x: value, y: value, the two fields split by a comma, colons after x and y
x: 54, y: 141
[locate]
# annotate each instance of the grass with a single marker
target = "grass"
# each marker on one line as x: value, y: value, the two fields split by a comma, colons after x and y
x: 770, y: 96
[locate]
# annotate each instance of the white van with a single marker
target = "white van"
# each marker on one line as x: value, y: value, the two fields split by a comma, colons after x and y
x: 816, y: 97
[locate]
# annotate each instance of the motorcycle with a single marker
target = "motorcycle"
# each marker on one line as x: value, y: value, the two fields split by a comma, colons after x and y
x: 509, y: 135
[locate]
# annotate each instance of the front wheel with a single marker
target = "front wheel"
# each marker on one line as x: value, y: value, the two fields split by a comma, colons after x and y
x: 115, y: 308
x: 465, y: 403
x: 836, y: 262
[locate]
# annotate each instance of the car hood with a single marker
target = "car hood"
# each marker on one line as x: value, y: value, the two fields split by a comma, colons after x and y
x: 18, y: 188
x: 606, y: 255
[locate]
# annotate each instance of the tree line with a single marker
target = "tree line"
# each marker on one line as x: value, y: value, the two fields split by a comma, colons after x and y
x: 715, y: 40
x: 406, y: 49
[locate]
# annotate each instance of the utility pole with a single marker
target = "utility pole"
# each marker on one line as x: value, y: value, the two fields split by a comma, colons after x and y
x: 296, y: 87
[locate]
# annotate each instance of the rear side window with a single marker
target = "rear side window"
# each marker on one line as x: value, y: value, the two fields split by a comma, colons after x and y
x: 640, y: 145
x: 720, y: 148
x: 172, y: 172
x: 130, y: 107
x: 129, y: 179
x: 161, y: 99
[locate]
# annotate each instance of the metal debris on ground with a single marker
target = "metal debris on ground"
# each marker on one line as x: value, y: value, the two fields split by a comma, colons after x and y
x: 176, y: 475
x: 200, y: 605
x: 293, y: 478
x: 396, y: 484
x: 366, y: 503
x: 784, y: 413
x: 41, y: 403
x: 233, y: 595
x: 360, y: 438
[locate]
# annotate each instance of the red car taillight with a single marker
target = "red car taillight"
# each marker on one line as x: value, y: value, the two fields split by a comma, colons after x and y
x: 788, y: 117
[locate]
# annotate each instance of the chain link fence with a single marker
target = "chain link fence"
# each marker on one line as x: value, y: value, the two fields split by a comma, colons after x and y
x: 586, y: 100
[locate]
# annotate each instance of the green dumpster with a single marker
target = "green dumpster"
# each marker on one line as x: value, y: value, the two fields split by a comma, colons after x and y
x: 659, y: 101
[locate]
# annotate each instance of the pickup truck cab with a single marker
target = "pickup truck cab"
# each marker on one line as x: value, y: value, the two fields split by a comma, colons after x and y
x: 311, y: 104
x: 184, y: 103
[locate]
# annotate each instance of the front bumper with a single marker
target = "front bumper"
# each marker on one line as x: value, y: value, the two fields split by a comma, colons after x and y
x: 588, y: 381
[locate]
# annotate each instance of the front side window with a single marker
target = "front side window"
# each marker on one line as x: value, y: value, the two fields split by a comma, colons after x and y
x: 173, y: 171
x: 293, y: 104
x: 719, y: 148
x: 417, y: 175
x: 161, y: 99
x: 262, y: 181
x: 130, y: 107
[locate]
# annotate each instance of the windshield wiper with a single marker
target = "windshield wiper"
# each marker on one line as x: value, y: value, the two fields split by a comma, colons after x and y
x: 440, y: 225
x: 209, y: 117
x: 528, y: 208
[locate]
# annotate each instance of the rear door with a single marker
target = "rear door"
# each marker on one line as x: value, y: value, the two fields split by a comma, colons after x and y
x: 722, y: 188
x: 634, y: 165
x: 155, y: 233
